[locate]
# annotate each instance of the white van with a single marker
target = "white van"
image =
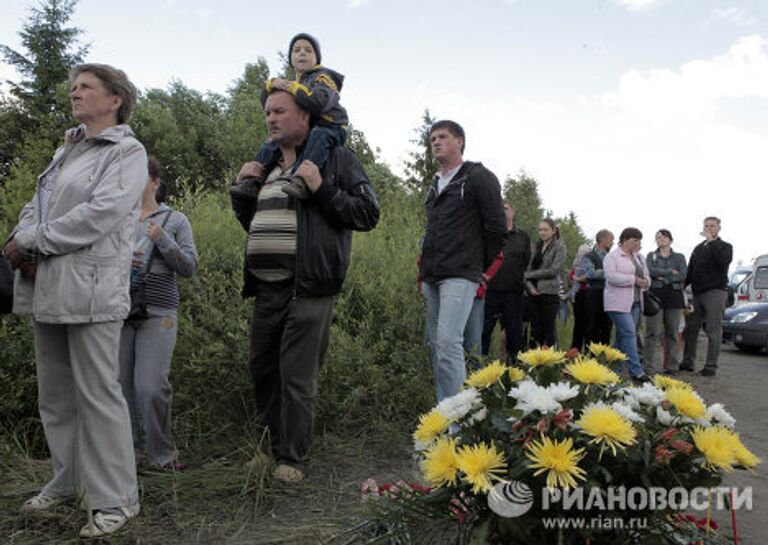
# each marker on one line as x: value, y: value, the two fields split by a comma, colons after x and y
x: 754, y: 288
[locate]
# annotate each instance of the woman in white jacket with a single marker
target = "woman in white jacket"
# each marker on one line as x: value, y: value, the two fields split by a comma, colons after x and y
x: 72, y: 248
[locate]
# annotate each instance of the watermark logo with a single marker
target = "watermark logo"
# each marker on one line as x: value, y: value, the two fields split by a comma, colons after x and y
x: 639, y: 498
x: 510, y: 500
x: 514, y: 499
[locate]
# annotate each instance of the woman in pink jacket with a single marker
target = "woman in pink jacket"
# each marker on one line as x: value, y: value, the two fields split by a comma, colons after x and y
x: 626, y: 277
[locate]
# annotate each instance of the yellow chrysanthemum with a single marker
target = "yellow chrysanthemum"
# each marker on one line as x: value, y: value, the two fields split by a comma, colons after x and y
x: 540, y: 357
x: 609, y: 353
x: 607, y: 427
x: 589, y: 371
x: 430, y: 426
x: 664, y: 382
x: 441, y: 463
x: 516, y: 374
x: 559, y: 458
x: 717, y: 445
x: 481, y: 464
x: 487, y: 376
x: 743, y: 455
x: 686, y: 401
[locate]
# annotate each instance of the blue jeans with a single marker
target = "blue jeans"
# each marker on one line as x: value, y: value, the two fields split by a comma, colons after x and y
x: 473, y: 332
x: 449, y: 303
x: 322, y: 138
x: 626, y: 336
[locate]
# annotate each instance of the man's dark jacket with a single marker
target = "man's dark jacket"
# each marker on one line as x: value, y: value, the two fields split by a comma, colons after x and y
x: 466, y: 226
x: 708, y: 266
x: 517, y: 255
x: 344, y: 202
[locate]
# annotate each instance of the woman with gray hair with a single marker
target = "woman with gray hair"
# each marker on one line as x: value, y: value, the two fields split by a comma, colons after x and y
x: 72, y: 248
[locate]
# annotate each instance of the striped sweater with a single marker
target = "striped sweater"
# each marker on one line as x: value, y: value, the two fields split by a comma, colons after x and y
x: 271, y: 252
x: 174, y: 253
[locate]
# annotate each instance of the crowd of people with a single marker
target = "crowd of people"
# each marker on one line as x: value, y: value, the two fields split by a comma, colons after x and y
x: 612, y: 288
x: 97, y: 252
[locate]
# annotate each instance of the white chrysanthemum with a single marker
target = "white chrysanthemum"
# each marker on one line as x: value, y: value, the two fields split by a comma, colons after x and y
x: 460, y: 405
x: 532, y: 397
x: 627, y: 412
x: 703, y: 422
x: 665, y: 417
x: 563, y: 391
x: 647, y: 394
x: 717, y: 414
x: 479, y: 415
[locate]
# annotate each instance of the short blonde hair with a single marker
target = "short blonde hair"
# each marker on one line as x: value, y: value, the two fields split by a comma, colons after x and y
x: 116, y: 83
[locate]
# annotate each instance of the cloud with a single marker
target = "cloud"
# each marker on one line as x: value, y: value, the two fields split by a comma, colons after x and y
x: 204, y: 14
x: 733, y: 14
x: 658, y: 150
x: 356, y: 3
x: 638, y: 5
x: 691, y: 93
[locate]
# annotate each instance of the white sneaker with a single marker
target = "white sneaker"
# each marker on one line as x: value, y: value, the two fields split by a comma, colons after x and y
x: 41, y: 502
x: 108, y: 522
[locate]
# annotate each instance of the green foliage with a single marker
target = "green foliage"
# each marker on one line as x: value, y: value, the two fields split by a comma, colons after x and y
x: 357, y: 142
x: 19, y: 186
x: 421, y: 167
x: 244, y: 126
x: 209, y: 369
x: 18, y: 382
x: 377, y: 366
x: 523, y: 193
x: 38, y: 108
x: 571, y: 235
x: 184, y: 129
x: 51, y: 50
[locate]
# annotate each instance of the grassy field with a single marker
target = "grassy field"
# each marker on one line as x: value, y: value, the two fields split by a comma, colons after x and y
x: 223, y: 499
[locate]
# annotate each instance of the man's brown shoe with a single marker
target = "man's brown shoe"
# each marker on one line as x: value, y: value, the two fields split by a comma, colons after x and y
x: 288, y: 474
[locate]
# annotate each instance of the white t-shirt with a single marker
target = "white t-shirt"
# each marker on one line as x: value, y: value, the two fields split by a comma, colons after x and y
x: 444, y: 179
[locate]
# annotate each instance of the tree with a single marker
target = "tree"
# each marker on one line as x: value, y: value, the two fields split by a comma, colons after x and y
x: 421, y: 168
x: 52, y: 49
x: 523, y: 193
x: 185, y: 130
x: 571, y: 234
x: 244, y: 124
x: 38, y: 107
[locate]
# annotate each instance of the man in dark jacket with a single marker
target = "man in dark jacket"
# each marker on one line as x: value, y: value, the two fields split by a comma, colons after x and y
x: 506, y: 289
x: 599, y: 325
x: 465, y: 231
x: 708, y: 277
x: 296, y: 260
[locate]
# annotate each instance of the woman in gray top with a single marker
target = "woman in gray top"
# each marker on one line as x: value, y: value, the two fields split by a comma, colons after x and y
x: 543, y: 281
x: 668, y: 270
x: 72, y: 248
x: 146, y: 346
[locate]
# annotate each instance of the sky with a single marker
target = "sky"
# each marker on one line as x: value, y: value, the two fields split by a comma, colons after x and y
x: 644, y: 113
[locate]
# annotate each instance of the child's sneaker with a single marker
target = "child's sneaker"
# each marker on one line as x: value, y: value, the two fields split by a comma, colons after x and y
x: 296, y: 187
x: 248, y: 188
